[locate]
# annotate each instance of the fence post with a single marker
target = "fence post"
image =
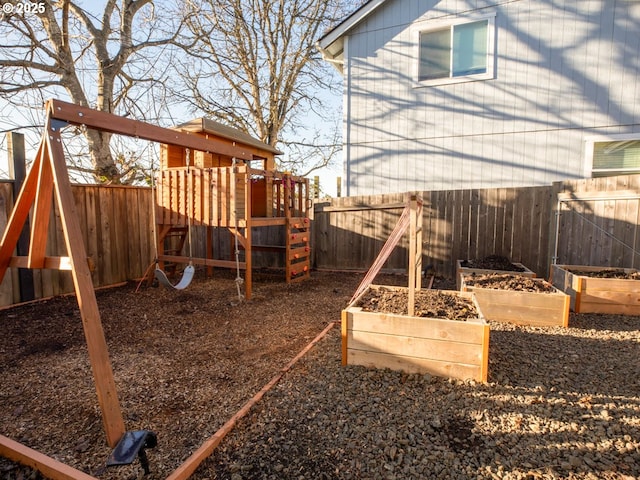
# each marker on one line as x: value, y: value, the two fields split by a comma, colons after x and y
x: 18, y: 172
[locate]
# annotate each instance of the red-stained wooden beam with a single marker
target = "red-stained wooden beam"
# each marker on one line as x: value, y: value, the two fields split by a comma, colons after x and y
x: 20, y: 212
x: 48, y: 466
x: 94, y: 334
x: 108, y: 122
x: 41, y: 215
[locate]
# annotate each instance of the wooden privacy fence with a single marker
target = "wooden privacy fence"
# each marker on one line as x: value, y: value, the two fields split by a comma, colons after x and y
x: 117, y: 227
x: 116, y: 223
x: 457, y: 224
x: 597, y: 225
x: 598, y: 222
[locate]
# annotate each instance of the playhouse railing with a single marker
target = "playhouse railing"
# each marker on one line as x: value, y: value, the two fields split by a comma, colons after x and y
x: 286, y: 194
x: 222, y: 196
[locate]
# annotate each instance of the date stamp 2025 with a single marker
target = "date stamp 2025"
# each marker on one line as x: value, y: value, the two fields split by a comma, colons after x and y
x: 22, y: 7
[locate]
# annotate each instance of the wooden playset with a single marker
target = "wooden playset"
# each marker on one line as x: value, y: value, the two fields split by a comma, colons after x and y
x: 206, y: 179
x: 234, y: 187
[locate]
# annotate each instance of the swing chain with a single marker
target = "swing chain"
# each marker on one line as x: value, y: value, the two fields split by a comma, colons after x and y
x: 239, y: 279
x: 190, y: 206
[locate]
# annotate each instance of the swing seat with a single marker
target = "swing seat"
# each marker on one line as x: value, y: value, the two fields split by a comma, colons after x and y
x: 187, y: 276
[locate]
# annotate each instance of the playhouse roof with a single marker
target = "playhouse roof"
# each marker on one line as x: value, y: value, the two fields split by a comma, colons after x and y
x: 206, y: 125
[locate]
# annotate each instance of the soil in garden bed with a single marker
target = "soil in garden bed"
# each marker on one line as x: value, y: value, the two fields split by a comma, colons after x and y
x: 616, y: 273
x: 428, y: 303
x: 505, y: 281
x: 492, y: 262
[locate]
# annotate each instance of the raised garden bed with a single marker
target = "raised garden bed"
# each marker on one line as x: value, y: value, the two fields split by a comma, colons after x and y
x: 599, y: 289
x: 447, y: 336
x: 505, y: 297
x: 490, y: 264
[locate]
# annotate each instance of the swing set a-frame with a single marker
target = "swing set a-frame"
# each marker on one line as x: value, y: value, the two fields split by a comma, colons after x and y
x: 221, y: 191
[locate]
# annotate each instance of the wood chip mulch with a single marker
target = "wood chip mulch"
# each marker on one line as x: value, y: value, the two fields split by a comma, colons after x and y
x: 184, y: 363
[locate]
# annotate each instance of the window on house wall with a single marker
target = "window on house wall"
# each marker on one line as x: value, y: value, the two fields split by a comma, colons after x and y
x: 456, y: 52
x: 618, y: 157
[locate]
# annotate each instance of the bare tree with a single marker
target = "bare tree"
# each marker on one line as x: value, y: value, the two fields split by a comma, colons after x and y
x: 104, y: 57
x: 257, y: 69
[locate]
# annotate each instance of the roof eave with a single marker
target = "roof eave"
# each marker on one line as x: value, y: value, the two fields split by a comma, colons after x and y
x: 347, y: 24
x: 335, y: 59
x: 331, y: 44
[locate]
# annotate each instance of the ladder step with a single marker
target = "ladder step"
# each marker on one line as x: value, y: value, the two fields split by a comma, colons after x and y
x: 299, y: 278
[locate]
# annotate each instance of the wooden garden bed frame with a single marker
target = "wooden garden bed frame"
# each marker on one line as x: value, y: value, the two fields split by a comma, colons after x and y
x: 405, y: 342
x: 597, y: 295
x: 522, y: 308
x: 460, y: 270
x: 446, y: 348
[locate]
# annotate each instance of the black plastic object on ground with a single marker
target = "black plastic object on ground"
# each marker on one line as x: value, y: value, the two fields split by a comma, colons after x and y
x: 133, y: 444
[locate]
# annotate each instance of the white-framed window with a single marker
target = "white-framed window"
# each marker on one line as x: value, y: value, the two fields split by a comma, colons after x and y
x: 458, y: 51
x: 612, y: 155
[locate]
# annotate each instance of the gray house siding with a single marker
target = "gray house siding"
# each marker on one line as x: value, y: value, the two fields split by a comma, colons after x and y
x: 564, y: 71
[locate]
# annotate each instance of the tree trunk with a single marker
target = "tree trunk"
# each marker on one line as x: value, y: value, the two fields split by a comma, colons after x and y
x: 101, y: 158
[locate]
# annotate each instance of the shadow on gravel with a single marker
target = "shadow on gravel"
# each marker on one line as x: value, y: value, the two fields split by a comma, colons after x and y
x: 558, y: 405
x: 602, y: 322
x: 565, y: 361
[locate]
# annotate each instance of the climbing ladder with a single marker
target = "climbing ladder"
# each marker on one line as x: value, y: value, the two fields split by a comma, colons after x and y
x: 297, y: 249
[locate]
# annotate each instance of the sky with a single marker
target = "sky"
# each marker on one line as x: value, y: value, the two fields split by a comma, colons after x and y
x: 328, y: 175
x: 14, y: 118
x: 19, y: 119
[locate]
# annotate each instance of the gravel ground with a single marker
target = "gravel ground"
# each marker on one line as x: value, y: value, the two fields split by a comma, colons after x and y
x: 560, y: 403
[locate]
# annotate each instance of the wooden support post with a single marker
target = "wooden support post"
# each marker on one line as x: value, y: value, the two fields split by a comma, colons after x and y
x: 96, y: 344
x: 415, y: 251
x: 20, y: 212
x: 41, y: 215
x: 279, y: 198
x: 287, y: 250
x: 161, y: 233
x: 417, y: 242
x: 286, y: 180
x: 248, y: 249
x: 18, y: 172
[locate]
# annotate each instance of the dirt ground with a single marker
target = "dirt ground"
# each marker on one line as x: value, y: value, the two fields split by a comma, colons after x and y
x: 184, y: 362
